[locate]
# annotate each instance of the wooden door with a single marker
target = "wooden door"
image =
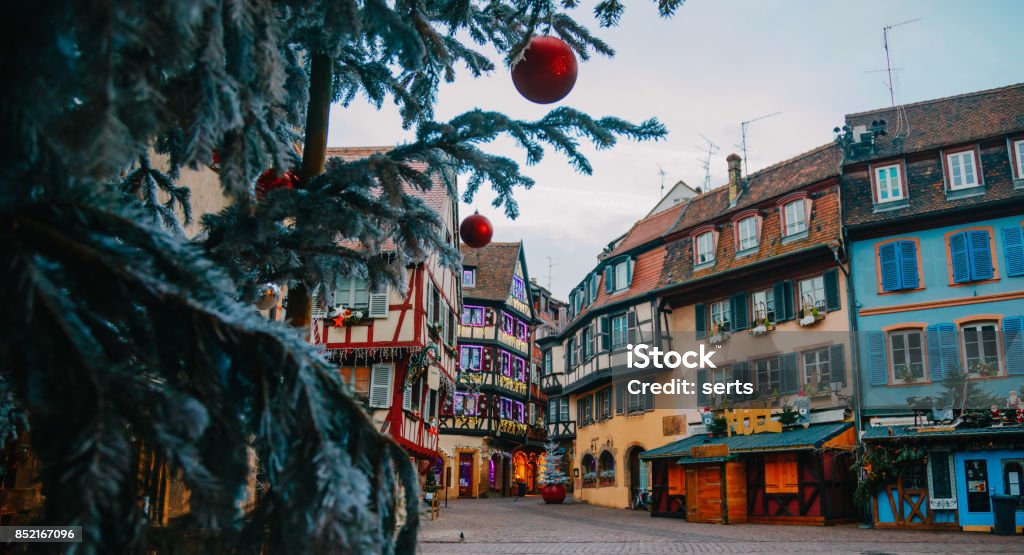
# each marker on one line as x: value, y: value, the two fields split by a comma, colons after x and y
x: 709, y: 493
x: 691, y: 493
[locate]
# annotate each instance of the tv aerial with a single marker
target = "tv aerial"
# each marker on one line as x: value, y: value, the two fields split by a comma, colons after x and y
x: 743, y: 137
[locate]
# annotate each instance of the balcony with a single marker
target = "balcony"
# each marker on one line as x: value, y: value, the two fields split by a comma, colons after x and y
x: 562, y: 430
x: 509, y: 340
x: 486, y: 426
x: 500, y: 382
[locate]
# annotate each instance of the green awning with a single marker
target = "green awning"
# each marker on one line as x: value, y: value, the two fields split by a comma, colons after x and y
x: 883, y: 433
x: 812, y: 437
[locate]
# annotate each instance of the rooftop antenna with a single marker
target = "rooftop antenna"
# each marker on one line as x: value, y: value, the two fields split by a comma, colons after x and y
x: 550, y: 266
x: 661, y: 173
x: 705, y: 162
x: 743, y: 137
x: 902, y: 125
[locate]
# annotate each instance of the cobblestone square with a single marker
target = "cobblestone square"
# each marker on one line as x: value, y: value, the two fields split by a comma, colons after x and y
x: 527, y: 525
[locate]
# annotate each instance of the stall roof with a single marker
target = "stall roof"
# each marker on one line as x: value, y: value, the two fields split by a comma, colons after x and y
x: 812, y: 437
x: 703, y: 460
x: 878, y: 433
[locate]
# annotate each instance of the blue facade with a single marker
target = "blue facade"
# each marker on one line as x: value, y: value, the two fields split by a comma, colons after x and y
x: 938, y: 300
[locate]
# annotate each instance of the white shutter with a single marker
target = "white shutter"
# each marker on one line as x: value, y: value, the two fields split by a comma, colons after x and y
x: 430, y: 302
x: 378, y: 305
x: 317, y: 311
x: 407, y: 397
x: 380, y: 385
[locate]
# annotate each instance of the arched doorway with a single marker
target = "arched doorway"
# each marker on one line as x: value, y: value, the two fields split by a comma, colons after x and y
x: 638, y: 472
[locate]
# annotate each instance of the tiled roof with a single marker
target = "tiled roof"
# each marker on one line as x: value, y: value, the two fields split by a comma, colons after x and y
x: 812, y: 437
x: 495, y: 265
x: 906, y: 432
x: 951, y: 121
x: 646, y: 276
x: 947, y: 121
x: 435, y: 198
x: 805, y: 169
x: 650, y: 228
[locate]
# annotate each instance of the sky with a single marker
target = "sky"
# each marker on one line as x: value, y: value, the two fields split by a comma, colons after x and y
x: 713, y: 65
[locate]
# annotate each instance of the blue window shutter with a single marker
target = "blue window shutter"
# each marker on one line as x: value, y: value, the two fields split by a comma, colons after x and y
x: 1013, y: 344
x: 943, y: 350
x: 609, y: 279
x: 981, y: 255
x: 784, y: 301
x: 702, y: 376
x: 878, y: 369
x: 909, y: 278
x: 831, y: 279
x: 1013, y: 244
x: 889, y: 263
x: 738, y: 304
x: 606, y: 334
x: 701, y: 320
x: 620, y: 397
x: 741, y: 372
x: 960, y: 258
x: 629, y: 272
x: 789, y: 381
x: 837, y: 364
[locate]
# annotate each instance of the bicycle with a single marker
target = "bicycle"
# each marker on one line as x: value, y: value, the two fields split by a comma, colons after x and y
x: 642, y: 500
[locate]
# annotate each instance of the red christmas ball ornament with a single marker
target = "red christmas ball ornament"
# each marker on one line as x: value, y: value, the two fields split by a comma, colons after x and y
x: 476, y: 231
x: 547, y: 71
x: 270, y: 180
x: 216, y: 157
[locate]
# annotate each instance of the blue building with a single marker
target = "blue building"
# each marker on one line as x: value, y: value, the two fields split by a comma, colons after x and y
x: 933, y: 199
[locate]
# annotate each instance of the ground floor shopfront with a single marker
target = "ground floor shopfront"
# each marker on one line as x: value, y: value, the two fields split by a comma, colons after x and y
x: 478, y: 467
x: 947, y: 478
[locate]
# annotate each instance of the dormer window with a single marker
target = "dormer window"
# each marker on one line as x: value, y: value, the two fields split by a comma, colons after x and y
x: 888, y: 184
x: 746, y: 230
x: 519, y: 288
x: 704, y: 248
x: 794, y: 218
x: 617, y: 275
x: 469, y: 277
x: 962, y: 170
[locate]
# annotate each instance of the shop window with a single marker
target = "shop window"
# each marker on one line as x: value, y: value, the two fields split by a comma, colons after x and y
x: 781, y: 474
x: 606, y: 469
x: 1013, y: 477
x: 976, y: 473
x: 588, y: 471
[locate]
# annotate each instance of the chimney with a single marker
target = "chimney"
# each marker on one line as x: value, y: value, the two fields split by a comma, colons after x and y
x: 735, y: 179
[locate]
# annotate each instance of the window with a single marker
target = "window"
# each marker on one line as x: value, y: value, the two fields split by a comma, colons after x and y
x: 941, y: 488
x: 469, y: 277
x: 1018, y: 157
x: 635, y: 402
x: 767, y: 376
x: 522, y: 331
x: 812, y: 293
x: 563, y: 409
x: 357, y: 378
x: 588, y: 409
x: 764, y: 306
x: 971, y: 256
x: 816, y: 370
x: 719, y: 375
x: 353, y: 293
x: 466, y: 404
x: 507, y: 323
x: 888, y: 184
x: 470, y: 357
x: 620, y: 331
x: 720, y: 315
x: 606, y: 469
x: 962, y: 171
x: 519, y: 369
x: 906, y: 351
x: 473, y: 316
x: 981, y: 349
x: 705, y: 248
x: 747, y: 233
x: 914, y: 476
x: 795, y: 218
x: 1013, y: 472
x: 571, y: 349
x: 780, y: 474
x: 519, y: 288
x: 505, y: 409
x: 587, y: 339
x: 621, y: 276
x: 897, y: 262
x: 605, y: 403
x: 546, y: 362
x: 505, y: 363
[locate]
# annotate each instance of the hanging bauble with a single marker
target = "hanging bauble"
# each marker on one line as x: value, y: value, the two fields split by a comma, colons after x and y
x: 547, y: 71
x: 267, y: 296
x: 476, y: 231
x: 271, y: 180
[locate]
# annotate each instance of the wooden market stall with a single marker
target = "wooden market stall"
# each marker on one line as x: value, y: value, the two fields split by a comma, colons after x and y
x: 794, y: 476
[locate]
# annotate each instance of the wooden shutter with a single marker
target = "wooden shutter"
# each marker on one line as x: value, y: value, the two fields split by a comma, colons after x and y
x: 909, y: 278
x: 960, y: 259
x: 889, y: 264
x: 579, y: 413
x: 837, y: 364
x: 789, y: 380
x: 700, y: 320
x: 831, y: 279
x: 380, y: 385
x: 741, y: 372
x: 702, y: 376
x: 649, y: 401
x: 943, y: 350
x: 783, y: 301
x: 378, y: 304
x: 629, y: 271
x: 1013, y: 245
x: 878, y: 370
x: 317, y: 312
x: 980, y: 254
x: 609, y: 279
x: 606, y: 338
x: 407, y: 397
x: 620, y: 398
x: 1013, y: 344
x: 738, y: 305
x: 631, y: 327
